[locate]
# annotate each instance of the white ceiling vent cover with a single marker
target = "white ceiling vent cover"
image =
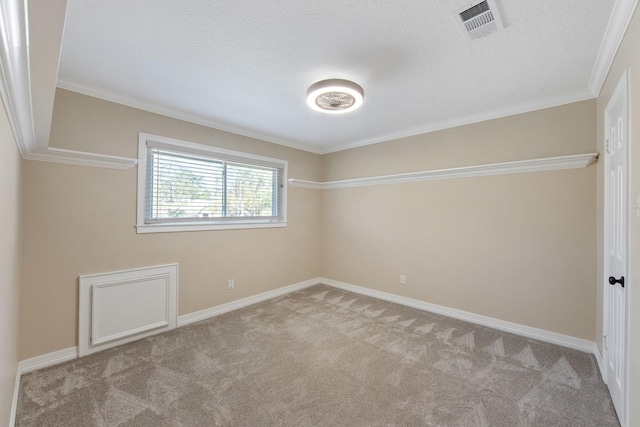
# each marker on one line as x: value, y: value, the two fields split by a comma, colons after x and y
x: 479, y: 19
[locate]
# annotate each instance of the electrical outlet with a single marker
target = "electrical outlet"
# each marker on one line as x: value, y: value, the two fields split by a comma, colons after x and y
x: 403, y: 280
x: 231, y: 284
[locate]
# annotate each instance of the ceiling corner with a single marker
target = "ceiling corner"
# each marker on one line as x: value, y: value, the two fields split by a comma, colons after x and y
x: 616, y: 28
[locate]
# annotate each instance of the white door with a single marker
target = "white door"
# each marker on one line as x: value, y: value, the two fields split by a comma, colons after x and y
x: 615, y: 294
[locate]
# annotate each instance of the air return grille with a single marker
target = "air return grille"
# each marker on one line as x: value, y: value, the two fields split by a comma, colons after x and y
x: 480, y: 19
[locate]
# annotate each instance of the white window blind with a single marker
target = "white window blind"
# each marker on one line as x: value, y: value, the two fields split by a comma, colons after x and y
x: 189, y: 184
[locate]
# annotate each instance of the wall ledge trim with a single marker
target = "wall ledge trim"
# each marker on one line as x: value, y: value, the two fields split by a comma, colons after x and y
x: 302, y: 183
x: 520, y: 166
x: 80, y: 158
x: 491, y: 322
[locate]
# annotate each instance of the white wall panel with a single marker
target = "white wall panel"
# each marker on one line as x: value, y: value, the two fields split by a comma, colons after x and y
x: 123, y: 306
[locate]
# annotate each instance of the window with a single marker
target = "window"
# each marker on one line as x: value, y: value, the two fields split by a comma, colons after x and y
x: 184, y: 186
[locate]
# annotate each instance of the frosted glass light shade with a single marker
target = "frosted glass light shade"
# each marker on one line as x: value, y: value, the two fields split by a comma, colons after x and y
x: 335, y: 96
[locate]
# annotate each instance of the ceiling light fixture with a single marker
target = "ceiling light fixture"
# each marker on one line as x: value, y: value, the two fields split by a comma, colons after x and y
x: 335, y: 96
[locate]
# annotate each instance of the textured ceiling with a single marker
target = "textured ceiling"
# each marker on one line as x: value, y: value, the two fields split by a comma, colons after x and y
x: 245, y: 66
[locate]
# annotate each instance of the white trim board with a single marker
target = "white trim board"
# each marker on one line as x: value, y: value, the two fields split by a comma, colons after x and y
x: 61, y: 356
x: 33, y: 364
x: 502, y: 325
x: 14, y: 402
x: 207, y: 313
x: 598, y: 356
x: 46, y: 360
x: 616, y: 29
x: 56, y: 357
x: 521, y: 166
x: 79, y: 158
x: 16, y: 91
x: 15, y: 84
x: 71, y: 353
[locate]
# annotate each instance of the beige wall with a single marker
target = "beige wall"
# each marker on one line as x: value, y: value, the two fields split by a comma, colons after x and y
x: 559, y: 131
x: 9, y: 264
x: 520, y: 248
x: 628, y: 57
x: 527, y: 241
x: 80, y: 220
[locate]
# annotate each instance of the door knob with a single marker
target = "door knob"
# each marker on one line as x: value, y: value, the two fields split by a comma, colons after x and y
x: 613, y: 281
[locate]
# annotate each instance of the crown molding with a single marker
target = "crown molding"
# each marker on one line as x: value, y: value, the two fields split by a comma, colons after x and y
x: 73, y: 86
x: 17, y: 96
x: 174, y: 113
x: 540, y: 104
x: 15, y: 88
x: 521, y: 166
x: 616, y: 28
x: 15, y: 84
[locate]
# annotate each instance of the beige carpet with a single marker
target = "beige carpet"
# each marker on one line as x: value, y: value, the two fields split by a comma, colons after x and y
x: 323, y: 357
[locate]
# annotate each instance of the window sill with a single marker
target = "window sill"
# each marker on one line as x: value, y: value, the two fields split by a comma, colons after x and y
x: 174, y: 228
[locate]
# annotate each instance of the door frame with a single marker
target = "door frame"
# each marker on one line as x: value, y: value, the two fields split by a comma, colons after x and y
x: 622, y: 89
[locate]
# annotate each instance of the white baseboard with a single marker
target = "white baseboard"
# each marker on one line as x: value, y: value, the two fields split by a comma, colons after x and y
x: 207, y: 313
x: 599, y: 359
x: 502, y: 325
x: 33, y: 364
x: 46, y: 360
x: 61, y: 356
x: 71, y: 353
x: 14, y: 402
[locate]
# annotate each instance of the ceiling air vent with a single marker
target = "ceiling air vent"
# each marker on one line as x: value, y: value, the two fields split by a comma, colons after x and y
x: 480, y: 19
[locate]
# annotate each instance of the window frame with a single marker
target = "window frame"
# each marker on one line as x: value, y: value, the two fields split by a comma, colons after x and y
x: 192, y: 148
